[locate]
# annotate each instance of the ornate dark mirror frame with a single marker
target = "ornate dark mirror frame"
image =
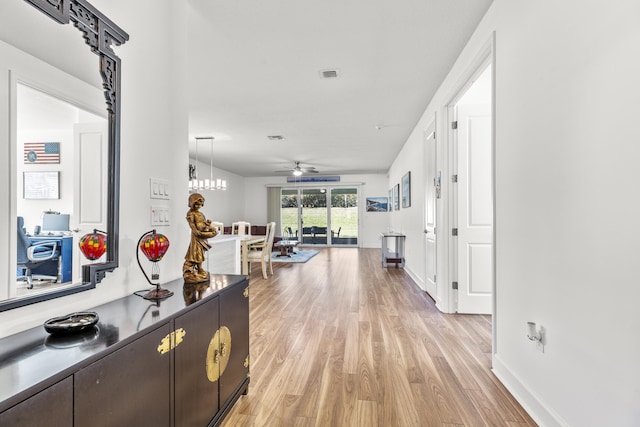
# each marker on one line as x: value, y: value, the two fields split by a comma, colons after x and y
x: 100, y: 34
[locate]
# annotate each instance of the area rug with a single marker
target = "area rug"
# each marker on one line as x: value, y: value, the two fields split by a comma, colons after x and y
x: 299, y: 256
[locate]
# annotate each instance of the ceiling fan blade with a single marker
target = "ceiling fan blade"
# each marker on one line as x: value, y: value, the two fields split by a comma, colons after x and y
x: 298, y: 167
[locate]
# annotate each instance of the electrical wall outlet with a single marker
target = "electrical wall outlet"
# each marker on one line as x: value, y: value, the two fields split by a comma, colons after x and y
x: 537, y: 335
x: 541, y: 342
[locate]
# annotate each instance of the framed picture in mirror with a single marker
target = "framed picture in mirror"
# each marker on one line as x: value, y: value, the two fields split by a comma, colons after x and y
x: 41, y: 185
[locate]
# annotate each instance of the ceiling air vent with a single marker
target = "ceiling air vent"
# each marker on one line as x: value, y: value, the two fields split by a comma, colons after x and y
x: 275, y: 137
x: 329, y: 74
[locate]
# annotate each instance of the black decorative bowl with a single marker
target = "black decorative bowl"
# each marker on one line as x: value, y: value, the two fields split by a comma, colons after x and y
x: 69, y: 340
x: 71, y: 323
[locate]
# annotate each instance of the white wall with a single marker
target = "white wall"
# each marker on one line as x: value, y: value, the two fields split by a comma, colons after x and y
x: 410, y: 221
x: 566, y: 203
x: 154, y: 135
x: 154, y: 129
x: 371, y: 223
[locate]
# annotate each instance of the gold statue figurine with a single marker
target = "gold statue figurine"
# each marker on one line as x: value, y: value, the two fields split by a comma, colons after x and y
x: 201, y: 230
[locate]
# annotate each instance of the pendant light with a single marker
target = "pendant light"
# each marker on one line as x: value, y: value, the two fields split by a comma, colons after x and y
x: 194, y: 177
x: 210, y: 183
x: 211, y: 166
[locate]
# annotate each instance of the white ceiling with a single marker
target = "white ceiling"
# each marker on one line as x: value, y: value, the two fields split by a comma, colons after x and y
x: 254, y: 71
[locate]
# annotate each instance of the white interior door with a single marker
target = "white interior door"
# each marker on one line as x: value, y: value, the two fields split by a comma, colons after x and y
x: 431, y: 197
x: 474, y: 209
x: 90, y: 197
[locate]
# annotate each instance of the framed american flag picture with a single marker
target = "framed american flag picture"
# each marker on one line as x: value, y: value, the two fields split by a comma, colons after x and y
x: 43, y: 153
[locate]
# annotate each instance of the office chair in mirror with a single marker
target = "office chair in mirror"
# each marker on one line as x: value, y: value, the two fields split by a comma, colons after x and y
x: 37, y: 259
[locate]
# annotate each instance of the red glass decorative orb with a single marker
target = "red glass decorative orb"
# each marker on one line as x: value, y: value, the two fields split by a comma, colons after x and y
x: 93, y: 245
x: 154, y: 246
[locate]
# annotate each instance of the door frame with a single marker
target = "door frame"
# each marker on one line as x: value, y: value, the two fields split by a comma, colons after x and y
x: 79, y: 226
x: 430, y: 182
x: 447, y: 247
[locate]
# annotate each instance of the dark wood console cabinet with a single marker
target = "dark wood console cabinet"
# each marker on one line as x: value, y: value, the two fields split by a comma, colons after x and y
x: 179, y: 362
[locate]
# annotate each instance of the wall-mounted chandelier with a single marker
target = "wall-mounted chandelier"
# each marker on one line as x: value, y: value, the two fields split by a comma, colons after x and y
x: 210, y: 183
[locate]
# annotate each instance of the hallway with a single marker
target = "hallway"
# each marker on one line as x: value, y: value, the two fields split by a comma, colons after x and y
x: 340, y: 341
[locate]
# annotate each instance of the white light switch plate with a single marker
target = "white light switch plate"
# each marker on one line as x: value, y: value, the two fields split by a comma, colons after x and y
x: 159, y: 189
x: 160, y: 215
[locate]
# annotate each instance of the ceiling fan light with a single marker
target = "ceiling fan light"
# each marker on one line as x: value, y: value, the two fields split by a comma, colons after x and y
x: 297, y: 172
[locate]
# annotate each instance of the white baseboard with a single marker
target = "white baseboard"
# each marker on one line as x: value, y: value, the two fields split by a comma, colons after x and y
x: 541, y: 414
x: 420, y: 283
x: 415, y: 278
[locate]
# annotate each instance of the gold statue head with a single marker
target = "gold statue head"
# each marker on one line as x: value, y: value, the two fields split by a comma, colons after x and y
x: 195, y: 197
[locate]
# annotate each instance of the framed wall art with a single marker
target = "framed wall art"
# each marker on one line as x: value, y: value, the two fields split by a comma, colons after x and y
x: 406, y: 190
x: 396, y: 197
x: 41, y: 185
x: 36, y: 153
x: 377, y: 204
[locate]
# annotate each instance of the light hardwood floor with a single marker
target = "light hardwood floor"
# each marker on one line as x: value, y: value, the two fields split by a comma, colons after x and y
x: 341, y: 341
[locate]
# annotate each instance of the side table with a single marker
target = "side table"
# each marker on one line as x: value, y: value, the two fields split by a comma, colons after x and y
x: 393, y: 254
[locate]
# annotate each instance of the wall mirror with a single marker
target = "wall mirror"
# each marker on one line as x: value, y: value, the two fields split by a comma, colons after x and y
x: 63, y: 145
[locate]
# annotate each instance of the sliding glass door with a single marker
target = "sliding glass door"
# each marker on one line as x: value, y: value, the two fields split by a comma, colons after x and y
x: 320, y: 216
x: 344, y: 216
x: 314, y: 216
x: 289, y: 217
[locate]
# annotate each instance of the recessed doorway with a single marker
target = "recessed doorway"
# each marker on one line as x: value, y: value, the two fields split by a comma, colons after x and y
x: 472, y: 195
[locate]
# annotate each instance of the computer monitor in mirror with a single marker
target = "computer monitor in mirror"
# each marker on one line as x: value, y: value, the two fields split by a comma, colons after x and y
x: 55, y: 223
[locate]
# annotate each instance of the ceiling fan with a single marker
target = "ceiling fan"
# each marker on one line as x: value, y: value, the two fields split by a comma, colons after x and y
x: 298, y: 170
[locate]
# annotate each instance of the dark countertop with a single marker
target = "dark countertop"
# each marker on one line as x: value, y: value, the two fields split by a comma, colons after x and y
x: 33, y: 360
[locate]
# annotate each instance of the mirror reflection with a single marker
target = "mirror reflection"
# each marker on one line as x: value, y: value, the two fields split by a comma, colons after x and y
x: 62, y: 148
x: 61, y: 189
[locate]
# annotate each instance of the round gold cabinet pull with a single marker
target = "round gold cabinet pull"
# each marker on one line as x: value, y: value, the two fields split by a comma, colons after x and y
x: 218, y: 354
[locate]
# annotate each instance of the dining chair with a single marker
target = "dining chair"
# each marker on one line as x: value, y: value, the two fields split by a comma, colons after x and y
x: 290, y: 234
x: 218, y: 226
x: 241, y: 228
x: 261, y: 252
